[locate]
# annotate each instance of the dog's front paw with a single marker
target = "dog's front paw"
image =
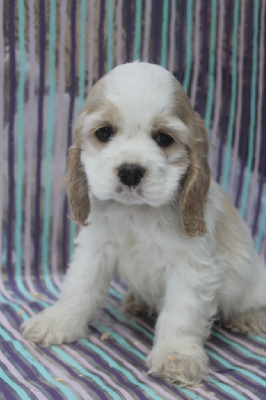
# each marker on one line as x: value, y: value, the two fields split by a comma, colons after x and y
x: 52, y: 326
x: 172, y: 366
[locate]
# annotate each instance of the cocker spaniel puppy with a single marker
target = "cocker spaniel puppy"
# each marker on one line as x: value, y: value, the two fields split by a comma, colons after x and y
x: 139, y: 182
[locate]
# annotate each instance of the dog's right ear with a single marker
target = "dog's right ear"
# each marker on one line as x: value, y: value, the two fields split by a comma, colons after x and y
x: 77, y: 186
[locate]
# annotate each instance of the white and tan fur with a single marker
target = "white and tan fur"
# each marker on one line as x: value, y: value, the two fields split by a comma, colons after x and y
x: 174, y: 238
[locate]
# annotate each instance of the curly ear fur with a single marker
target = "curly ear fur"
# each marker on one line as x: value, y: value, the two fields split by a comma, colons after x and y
x: 197, y: 181
x: 77, y: 186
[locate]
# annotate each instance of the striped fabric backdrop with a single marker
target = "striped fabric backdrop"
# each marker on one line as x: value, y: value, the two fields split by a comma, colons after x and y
x: 51, y: 53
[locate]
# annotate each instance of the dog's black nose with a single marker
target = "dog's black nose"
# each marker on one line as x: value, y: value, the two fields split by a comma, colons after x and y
x: 131, y: 174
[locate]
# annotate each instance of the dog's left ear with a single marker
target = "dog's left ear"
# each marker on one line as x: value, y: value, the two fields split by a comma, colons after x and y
x: 196, y: 183
x: 77, y: 185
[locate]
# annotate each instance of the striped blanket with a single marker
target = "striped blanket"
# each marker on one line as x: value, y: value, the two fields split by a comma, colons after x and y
x: 51, y: 53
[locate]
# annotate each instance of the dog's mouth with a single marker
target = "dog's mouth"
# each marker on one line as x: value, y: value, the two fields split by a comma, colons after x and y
x: 130, y: 195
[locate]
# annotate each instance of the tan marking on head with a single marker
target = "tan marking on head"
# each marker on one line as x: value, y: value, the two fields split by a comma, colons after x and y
x: 76, y: 180
x: 104, y: 111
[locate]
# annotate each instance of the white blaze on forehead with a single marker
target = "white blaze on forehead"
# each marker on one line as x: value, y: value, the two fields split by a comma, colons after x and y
x: 140, y: 90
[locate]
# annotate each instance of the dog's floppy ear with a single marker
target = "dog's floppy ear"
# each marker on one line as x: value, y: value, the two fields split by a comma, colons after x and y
x: 196, y: 182
x: 77, y: 185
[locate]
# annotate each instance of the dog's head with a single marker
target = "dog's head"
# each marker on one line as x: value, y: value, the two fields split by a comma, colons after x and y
x: 138, y: 141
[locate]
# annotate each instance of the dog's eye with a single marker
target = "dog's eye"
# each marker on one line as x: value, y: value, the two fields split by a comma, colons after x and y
x: 163, y: 140
x: 104, y: 134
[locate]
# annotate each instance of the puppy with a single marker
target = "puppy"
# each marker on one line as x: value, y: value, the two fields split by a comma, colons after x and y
x: 139, y: 182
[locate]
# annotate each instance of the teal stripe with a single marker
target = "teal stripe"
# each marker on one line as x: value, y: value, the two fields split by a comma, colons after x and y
x: 114, y: 365
x: 259, y: 339
x: 239, y: 348
x: 188, y: 45
x: 115, y: 293
x: 137, y: 35
x: 20, y: 152
x: 48, y: 151
x: 261, y: 228
x: 164, y: 37
x: 227, y: 389
x: 243, y: 371
x: 110, y: 25
x: 82, y: 70
x: 119, y: 339
x: 123, y: 343
x: 94, y: 378
x: 17, y: 389
x: 217, y: 383
x: 130, y: 321
x: 245, y: 192
x: 30, y: 359
x: 187, y: 392
x: 17, y: 308
x: 229, y: 144
x: 209, y: 104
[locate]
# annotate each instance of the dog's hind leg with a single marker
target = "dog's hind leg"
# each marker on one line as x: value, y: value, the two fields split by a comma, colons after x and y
x: 247, y: 312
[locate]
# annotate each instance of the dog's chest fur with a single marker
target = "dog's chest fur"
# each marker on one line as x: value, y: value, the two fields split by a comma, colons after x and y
x: 144, y: 240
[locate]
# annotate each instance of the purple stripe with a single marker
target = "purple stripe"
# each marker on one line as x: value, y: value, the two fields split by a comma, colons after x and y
x: 52, y: 367
x: 244, y: 340
x: 246, y: 110
x: 30, y: 141
x: 119, y: 31
x: 227, y: 92
x: 142, y: 348
x: 172, y: 37
x: 91, y: 45
x: 105, y: 367
x: 215, y: 390
x: 99, y: 372
x: 157, y: 10
x: 133, y: 360
x: 237, y: 354
x: 131, y: 366
x: 11, y: 160
x: 7, y: 391
x: 13, y: 316
x: 128, y: 30
x: 196, y: 53
x: 17, y: 361
x: 145, y: 350
x: 147, y: 27
x: 204, y: 63
x: 129, y: 327
x: 139, y: 335
x: 180, y: 40
x: 37, y: 224
x: 247, y: 382
x: 262, y: 171
x: 231, y: 359
x: 263, y: 140
x: 58, y: 144
x: 240, y: 385
x: 75, y: 375
x: 101, y: 39
x: 70, y: 121
x: 218, y: 90
x: 1, y: 128
x: 255, y: 178
x: 231, y: 189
